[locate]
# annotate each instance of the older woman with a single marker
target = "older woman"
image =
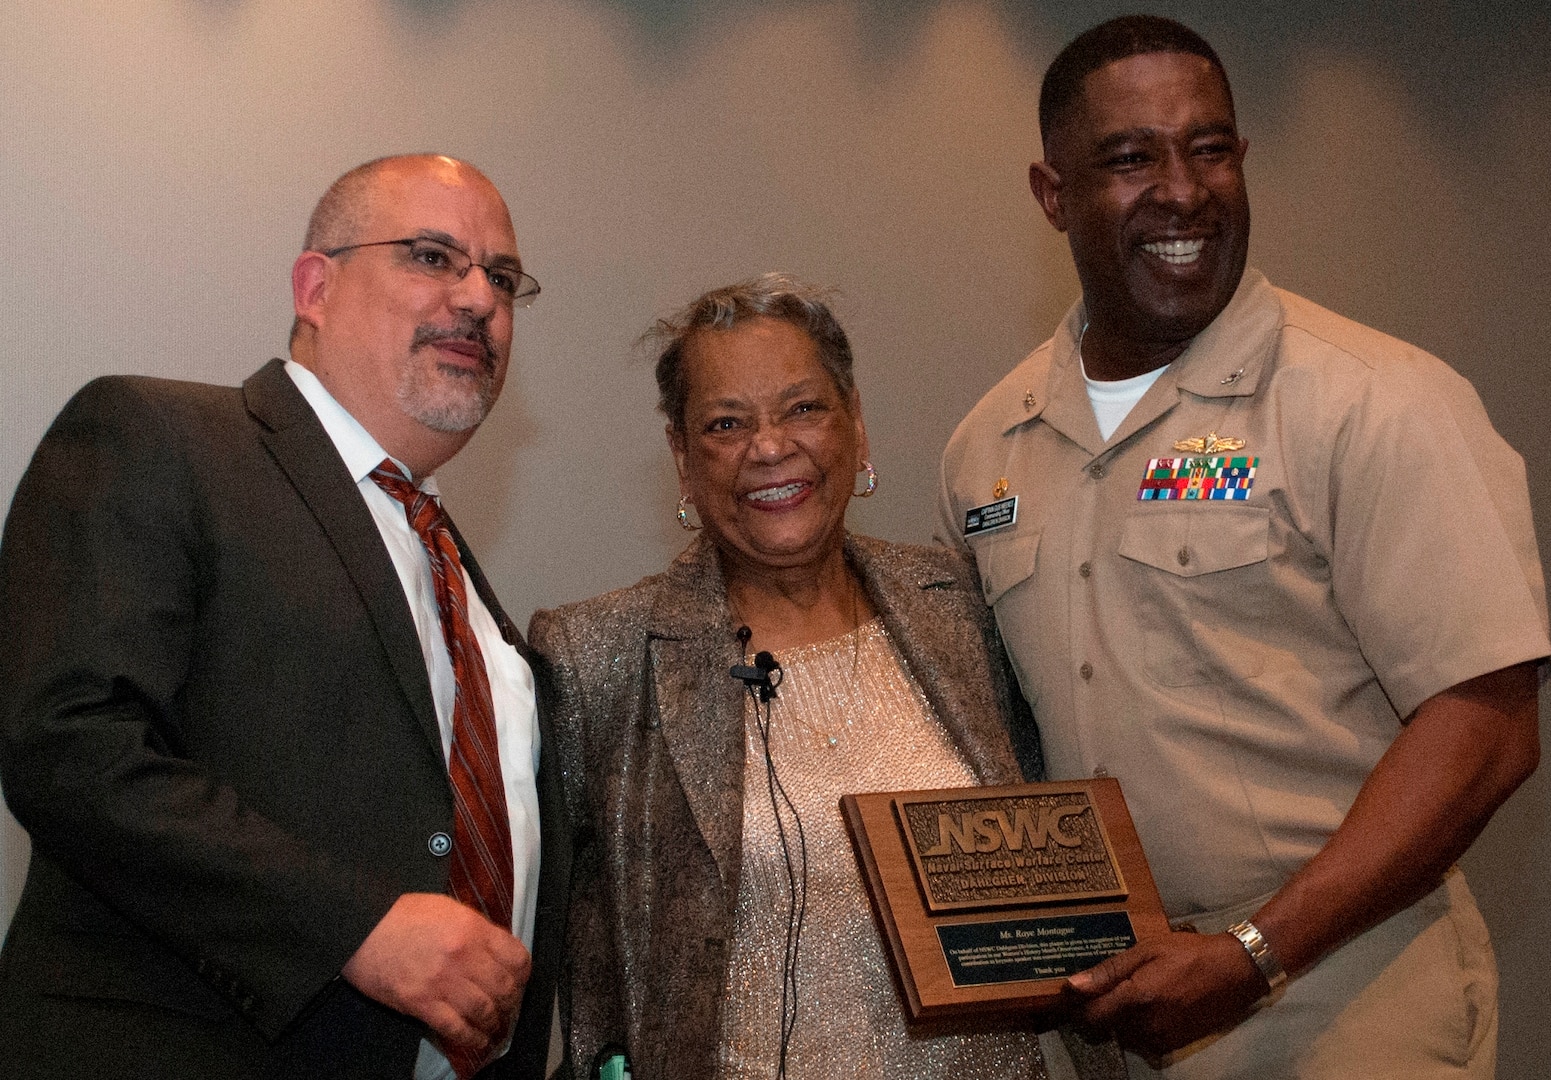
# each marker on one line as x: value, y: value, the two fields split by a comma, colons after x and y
x: 708, y: 830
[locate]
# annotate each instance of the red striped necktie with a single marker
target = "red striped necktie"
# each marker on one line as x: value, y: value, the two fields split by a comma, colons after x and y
x: 481, y: 872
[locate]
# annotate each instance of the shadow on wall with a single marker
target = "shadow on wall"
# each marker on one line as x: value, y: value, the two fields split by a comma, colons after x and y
x: 1463, y: 41
x: 1467, y: 61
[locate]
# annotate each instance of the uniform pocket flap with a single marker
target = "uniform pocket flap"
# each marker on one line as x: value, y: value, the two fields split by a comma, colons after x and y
x: 1189, y: 541
x: 1004, y: 561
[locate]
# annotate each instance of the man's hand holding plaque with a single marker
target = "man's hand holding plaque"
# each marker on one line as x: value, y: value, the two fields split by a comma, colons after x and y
x: 989, y: 898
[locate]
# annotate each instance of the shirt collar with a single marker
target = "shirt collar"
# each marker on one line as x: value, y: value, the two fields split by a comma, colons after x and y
x: 360, y: 451
x: 1227, y: 359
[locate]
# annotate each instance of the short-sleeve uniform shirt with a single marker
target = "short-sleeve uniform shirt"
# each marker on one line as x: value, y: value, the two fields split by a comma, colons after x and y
x: 1302, y: 531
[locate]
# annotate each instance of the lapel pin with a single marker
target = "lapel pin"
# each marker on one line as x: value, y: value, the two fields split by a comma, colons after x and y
x: 1235, y: 377
x: 1000, y: 488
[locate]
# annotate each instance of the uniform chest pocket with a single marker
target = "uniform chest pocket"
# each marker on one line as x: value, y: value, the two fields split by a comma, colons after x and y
x: 1005, y: 561
x: 1195, y: 540
x: 1201, y: 590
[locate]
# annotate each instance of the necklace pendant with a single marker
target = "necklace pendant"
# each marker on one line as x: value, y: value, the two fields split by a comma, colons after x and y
x: 833, y: 741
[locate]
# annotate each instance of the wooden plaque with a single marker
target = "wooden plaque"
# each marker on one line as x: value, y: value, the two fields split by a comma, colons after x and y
x: 988, y: 898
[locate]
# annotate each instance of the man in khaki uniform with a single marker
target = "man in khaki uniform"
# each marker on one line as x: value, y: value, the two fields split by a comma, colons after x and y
x: 1274, y: 571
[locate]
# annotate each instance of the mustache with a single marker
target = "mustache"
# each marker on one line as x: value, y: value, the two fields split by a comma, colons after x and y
x: 467, y: 328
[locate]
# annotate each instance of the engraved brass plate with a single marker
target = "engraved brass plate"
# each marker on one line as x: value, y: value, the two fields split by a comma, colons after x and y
x: 1010, y: 851
x: 981, y: 917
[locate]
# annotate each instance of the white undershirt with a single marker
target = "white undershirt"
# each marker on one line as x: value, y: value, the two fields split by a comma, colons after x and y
x: 511, y: 680
x: 1113, y: 401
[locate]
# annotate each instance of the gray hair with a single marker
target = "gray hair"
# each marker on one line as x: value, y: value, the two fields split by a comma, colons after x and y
x: 774, y: 295
x: 336, y: 220
x: 346, y: 206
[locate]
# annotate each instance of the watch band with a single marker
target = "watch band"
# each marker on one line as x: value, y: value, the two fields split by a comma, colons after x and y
x: 1259, y: 950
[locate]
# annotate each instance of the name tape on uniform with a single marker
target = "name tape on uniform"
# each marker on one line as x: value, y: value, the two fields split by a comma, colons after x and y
x: 994, y: 515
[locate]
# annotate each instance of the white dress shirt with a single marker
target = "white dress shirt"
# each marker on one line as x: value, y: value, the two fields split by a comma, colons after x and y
x: 511, y: 680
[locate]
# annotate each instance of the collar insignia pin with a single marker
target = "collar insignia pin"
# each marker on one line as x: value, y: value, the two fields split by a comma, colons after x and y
x: 1235, y: 377
x: 1000, y: 489
x: 1028, y: 399
x: 1212, y: 443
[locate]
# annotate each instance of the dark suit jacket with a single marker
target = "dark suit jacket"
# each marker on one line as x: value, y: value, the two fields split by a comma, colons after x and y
x: 218, y: 730
x: 650, y: 733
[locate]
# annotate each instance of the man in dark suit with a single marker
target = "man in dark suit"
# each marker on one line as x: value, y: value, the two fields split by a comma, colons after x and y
x: 235, y: 673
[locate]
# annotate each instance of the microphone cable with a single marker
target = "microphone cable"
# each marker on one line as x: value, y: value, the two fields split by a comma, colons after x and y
x: 760, y: 691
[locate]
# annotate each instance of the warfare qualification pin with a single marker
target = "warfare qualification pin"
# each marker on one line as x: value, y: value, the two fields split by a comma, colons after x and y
x: 1211, y: 443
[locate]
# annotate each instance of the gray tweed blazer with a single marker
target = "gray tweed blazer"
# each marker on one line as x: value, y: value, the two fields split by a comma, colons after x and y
x: 649, y: 732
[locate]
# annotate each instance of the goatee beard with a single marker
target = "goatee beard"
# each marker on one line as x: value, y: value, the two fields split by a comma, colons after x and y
x: 451, y: 403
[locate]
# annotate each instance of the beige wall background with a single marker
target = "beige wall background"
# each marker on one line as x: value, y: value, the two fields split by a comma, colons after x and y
x: 158, y: 159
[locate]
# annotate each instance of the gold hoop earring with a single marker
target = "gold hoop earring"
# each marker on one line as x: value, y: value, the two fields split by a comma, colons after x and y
x: 872, y: 482
x: 683, y: 515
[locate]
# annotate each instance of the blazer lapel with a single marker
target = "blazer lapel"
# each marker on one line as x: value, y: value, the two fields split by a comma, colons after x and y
x: 509, y: 631
x: 699, y: 705
x: 701, y: 708
x: 925, y: 614
x: 306, y: 455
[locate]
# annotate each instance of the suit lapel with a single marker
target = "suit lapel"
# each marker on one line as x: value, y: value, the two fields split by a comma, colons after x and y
x: 304, y: 452
x: 699, y: 706
x: 924, y: 612
x: 509, y: 632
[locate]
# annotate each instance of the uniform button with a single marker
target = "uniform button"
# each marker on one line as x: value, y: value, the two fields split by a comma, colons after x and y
x: 1086, y: 569
x: 1096, y: 470
x: 1183, y: 556
x: 1100, y: 772
x: 440, y: 844
x: 1086, y: 671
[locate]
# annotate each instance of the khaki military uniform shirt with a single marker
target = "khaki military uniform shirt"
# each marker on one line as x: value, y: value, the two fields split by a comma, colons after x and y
x: 1241, y: 656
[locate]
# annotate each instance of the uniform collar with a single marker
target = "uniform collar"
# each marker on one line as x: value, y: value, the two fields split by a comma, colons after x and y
x: 1227, y: 359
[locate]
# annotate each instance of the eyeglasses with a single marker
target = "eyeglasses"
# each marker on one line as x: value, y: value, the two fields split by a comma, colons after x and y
x: 446, y: 263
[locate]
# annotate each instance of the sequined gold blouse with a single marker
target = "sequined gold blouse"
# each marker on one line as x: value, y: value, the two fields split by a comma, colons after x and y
x: 847, y: 718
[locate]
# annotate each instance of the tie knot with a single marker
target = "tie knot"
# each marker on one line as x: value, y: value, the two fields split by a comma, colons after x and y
x: 422, y: 510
